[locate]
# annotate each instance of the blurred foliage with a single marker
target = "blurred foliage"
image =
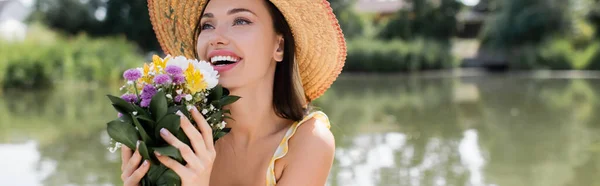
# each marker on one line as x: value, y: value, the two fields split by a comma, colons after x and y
x: 518, y: 22
x: 594, y: 16
x: 352, y: 23
x: 100, y: 18
x: 556, y: 54
x: 366, y: 55
x: 433, y: 19
x: 45, y: 58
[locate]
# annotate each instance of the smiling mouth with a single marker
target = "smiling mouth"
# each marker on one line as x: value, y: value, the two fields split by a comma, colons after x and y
x: 223, y: 60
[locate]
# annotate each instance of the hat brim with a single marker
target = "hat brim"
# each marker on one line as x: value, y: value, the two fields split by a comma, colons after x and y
x: 320, y: 44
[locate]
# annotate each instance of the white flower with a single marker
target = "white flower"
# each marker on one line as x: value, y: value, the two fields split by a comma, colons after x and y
x: 130, y: 82
x: 135, y: 113
x: 204, y: 111
x: 180, y: 62
x: 211, y: 76
x: 221, y: 125
x: 169, y: 96
x: 188, y: 97
x: 179, y: 91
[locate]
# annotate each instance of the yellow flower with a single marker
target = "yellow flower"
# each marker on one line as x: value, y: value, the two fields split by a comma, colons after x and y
x: 194, y: 80
x: 146, y: 77
x: 159, y: 64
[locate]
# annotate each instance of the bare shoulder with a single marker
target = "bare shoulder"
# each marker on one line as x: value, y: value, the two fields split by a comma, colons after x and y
x: 313, y: 135
x: 310, y: 155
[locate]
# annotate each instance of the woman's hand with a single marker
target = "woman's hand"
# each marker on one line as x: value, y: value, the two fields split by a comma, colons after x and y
x: 130, y: 166
x: 200, y: 160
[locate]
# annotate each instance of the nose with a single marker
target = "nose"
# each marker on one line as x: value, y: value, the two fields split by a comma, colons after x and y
x: 218, y: 38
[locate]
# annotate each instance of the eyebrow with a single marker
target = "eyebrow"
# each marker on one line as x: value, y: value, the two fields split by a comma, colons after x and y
x: 232, y: 11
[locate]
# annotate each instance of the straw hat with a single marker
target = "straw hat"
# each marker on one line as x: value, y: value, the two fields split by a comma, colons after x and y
x: 320, y: 44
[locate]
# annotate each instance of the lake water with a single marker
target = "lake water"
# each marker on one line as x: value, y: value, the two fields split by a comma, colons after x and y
x: 490, y: 130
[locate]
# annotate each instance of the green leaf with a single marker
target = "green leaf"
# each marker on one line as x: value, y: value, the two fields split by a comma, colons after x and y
x: 219, y: 135
x: 228, y: 100
x: 158, y: 105
x: 181, y: 136
x: 169, y: 178
x: 123, y: 133
x: 226, y: 130
x: 171, y: 152
x: 217, y: 117
x: 121, y: 104
x: 170, y: 122
x: 218, y: 91
x: 173, y: 109
x: 144, y: 151
x: 120, y: 109
x: 155, y: 171
x: 126, y: 118
x: 141, y: 111
x: 145, y: 119
x: 215, y: 94
x: 142, y: 131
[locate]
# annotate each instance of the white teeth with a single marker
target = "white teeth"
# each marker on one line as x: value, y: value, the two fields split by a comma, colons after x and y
x: 223, y: 58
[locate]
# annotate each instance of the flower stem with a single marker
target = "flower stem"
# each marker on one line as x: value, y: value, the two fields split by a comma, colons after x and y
x: 137, y: 95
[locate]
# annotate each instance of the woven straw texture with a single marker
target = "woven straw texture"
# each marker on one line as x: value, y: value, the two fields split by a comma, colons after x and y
x: 320, y: 44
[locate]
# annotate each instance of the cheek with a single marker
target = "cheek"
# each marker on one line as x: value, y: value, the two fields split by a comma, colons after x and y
x: 256, y: 46
x: 201, y: 47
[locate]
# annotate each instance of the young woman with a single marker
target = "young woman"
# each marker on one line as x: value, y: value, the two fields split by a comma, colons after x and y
x: 278, y: 55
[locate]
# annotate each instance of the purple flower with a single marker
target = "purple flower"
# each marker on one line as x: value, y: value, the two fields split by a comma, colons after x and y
x: 179, y: 79
x: 145, y: 102
x: 179, y: 97
x: 162, y: 79
x: 131, y: 98
x: 148, y: 92
x: 119, y: 115
x: 173, y: 70
x: 132, y: 74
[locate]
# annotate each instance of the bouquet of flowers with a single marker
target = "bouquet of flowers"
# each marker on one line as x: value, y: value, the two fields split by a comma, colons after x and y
x: 153, y: 95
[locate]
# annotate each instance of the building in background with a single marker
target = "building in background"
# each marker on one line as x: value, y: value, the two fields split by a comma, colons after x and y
x: 12, y: 20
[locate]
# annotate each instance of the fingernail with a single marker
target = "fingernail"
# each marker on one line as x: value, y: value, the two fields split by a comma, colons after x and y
x: 157, y: 153
x: 194, y: 109
x: 145, y: 163
x: 179, y: 113
x: 164, y: 132
x: 137, y: 144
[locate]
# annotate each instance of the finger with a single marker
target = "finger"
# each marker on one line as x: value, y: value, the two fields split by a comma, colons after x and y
x: 185, y: 150
x: 170, y: 163
x: 204, y: 128
x: 132, y: 165
x: 137, y: 176
x: 193, y: 134
x: 126, y: 153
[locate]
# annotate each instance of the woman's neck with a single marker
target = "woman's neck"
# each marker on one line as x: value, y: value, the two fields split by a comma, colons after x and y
x: 254, y: 115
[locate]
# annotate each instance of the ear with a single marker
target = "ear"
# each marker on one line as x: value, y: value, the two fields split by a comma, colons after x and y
x: 278, y: 54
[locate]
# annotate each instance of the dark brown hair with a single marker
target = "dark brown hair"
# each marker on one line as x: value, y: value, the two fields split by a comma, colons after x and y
x: 286, y: 99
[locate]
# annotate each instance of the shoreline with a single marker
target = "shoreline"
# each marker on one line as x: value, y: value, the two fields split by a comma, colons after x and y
x: 479, y: 72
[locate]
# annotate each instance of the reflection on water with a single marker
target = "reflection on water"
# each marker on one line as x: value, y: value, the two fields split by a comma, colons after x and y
x: 408, y: 131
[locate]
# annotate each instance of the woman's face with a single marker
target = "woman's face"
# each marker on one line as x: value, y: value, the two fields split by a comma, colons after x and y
x: 238, y: 38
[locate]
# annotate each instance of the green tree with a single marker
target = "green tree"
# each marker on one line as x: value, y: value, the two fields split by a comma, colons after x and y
x: 435, y: 19
x: 350, y: 21
x: 520, y: 22
x: 100, y: 18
